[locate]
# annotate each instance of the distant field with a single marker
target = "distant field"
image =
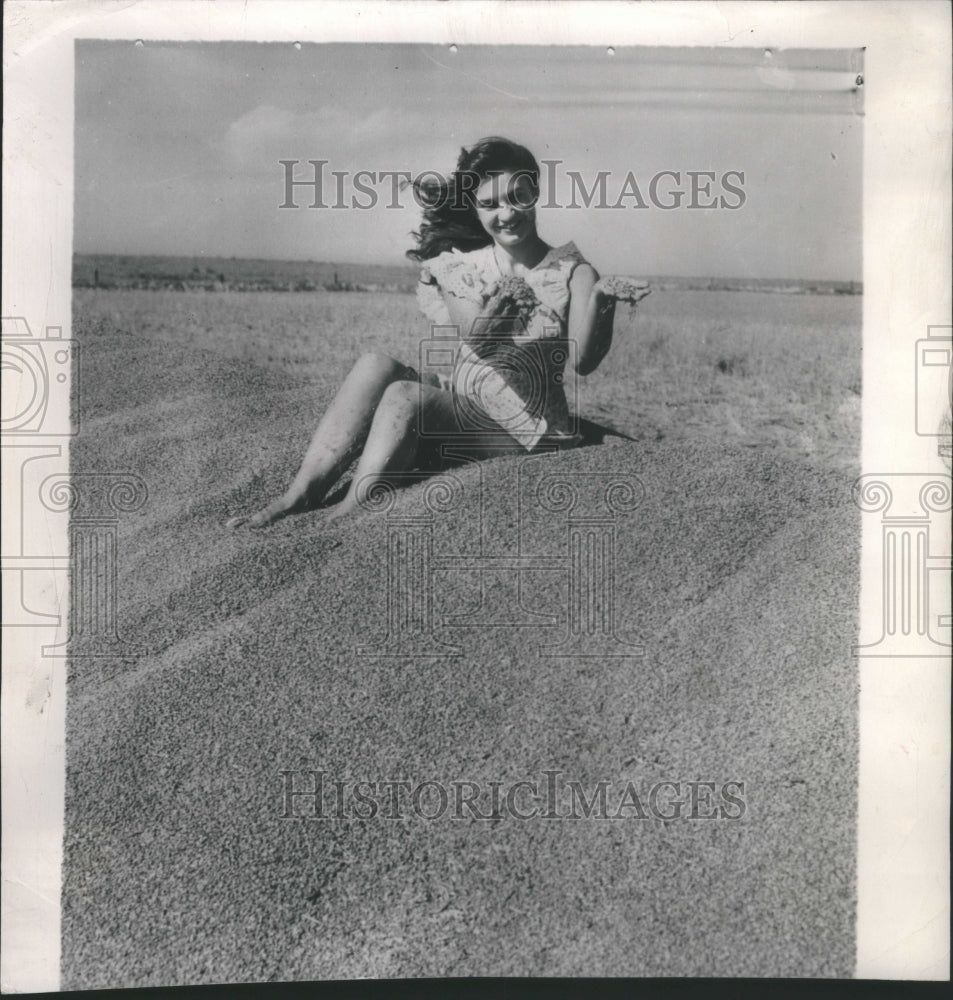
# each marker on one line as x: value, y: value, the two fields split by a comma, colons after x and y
x: 215, y: 274
x: 235, y: 274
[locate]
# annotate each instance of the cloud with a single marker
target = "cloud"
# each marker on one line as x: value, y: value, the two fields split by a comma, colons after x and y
x: 257, y: 131
x: 267, y: 134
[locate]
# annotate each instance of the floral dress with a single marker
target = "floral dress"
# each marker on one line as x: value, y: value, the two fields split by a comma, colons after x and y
x: 517, y: 382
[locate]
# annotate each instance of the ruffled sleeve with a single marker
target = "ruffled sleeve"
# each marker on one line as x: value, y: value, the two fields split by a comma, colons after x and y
x: 430, y: 301
x: 453, y: 273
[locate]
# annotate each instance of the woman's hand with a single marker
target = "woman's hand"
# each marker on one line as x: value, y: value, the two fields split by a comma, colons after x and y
x: 617, y: 288
x: 510, y: 296
x: 592, y: 311
x: 508, y: 306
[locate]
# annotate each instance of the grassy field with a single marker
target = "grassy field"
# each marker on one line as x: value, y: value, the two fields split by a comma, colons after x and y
x: 740, y: 415
x: 761, y: 370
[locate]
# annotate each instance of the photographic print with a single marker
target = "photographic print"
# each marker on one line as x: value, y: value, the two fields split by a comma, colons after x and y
x: 454, y: 450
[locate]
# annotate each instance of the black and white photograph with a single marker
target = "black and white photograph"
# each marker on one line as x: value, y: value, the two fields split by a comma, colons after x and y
x: 477, y: 489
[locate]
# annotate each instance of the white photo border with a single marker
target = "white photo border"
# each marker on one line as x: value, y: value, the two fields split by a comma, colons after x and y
x: 903, y: 859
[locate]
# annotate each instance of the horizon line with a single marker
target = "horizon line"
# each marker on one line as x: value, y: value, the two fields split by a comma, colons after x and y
x: 410, y: 266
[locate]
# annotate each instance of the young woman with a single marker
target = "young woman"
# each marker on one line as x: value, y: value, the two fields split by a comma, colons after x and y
x: 522, y: 308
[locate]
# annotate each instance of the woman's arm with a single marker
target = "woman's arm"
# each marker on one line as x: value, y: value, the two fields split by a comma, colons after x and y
x: 591, y: 313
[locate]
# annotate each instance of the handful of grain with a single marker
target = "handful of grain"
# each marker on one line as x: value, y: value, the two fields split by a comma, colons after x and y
x: 623, y: 289
x: 513, y: 298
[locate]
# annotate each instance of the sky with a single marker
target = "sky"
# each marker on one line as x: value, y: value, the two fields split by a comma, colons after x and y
x: 178, y: 148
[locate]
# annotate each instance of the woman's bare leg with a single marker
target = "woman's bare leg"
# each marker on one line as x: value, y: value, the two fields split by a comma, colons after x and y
x: 339, y: 437
x: 393, y: 442
x: 393, y: 438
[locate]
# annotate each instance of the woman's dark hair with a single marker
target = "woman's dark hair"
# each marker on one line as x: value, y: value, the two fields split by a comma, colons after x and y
x: 450, y: 220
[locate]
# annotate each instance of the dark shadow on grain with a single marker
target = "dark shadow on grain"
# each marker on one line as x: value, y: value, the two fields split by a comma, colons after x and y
x: 592, y: 434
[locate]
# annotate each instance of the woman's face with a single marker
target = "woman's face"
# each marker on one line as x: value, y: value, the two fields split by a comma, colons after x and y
x: 506, y: 207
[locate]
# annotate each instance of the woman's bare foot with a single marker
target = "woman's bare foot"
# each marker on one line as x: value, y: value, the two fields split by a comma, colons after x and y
x: 275, y: 511
x: 340, y: 510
